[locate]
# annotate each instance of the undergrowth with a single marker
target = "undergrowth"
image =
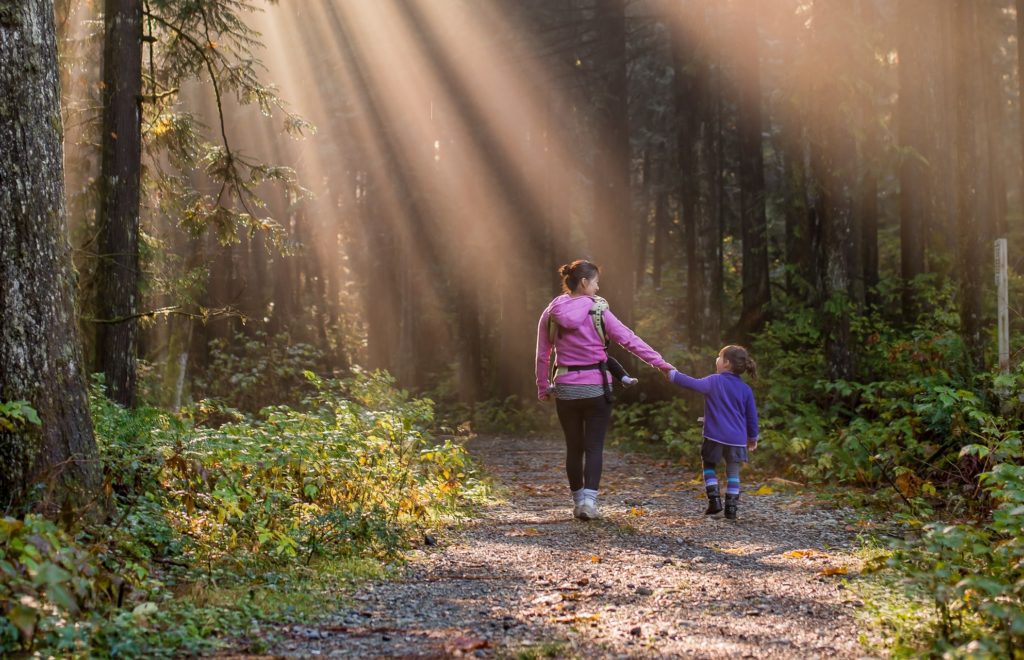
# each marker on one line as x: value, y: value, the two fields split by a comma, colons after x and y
x: 217, y: 518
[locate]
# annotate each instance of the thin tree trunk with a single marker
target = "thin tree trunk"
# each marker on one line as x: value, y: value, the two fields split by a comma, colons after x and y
x: 835, y: 152
x: 753, y: 217
x: 690, y: 83
x: 118, y: 216
x: 40, y: 351
x: 969, y: 225
x: 612, y: 207
x: 867, y: 203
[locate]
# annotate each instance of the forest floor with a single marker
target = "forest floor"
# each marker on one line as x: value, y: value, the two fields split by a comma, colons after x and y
x: 654, y: 577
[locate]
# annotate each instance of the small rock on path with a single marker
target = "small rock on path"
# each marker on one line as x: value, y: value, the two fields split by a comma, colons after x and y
x: 653, y: 578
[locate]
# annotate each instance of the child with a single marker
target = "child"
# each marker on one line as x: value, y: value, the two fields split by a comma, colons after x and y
x: 730, y: 423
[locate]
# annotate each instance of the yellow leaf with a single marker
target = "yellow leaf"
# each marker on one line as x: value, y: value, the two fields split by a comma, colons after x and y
x: 638, y: 512
x: 763, y: 490
x: 595, y: 559
x: 797, y: 554
x: 834, y: 570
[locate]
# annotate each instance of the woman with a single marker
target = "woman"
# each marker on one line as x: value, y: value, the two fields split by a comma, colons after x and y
x: 579, y: 380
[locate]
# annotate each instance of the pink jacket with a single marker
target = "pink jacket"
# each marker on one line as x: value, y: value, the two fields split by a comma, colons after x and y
x: 578, y: 343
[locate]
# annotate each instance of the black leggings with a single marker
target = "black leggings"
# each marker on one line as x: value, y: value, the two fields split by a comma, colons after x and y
x: 584, y: 422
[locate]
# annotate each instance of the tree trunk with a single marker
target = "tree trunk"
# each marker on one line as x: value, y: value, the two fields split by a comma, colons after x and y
x: 612, y: 207
x: 118, y: 215
x: 1020, y: 90
x: 690, y: 83
x: 40, y: 352
x: 913, y: 136
x: 870, y: 149
x: 834, y: 146
x: 753, y: 217
x: 969, y: 226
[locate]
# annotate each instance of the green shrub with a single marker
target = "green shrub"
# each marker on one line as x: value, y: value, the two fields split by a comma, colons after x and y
x: 352, y: 475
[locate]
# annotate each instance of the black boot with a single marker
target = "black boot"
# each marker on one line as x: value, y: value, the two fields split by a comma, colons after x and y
x: 731, y: 504
x: 714, y: 501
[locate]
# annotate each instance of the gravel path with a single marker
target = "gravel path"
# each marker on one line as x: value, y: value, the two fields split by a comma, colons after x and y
x: 653, y: 578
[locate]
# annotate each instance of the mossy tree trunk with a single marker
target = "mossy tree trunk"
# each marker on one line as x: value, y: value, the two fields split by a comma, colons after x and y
x: 40, y: 353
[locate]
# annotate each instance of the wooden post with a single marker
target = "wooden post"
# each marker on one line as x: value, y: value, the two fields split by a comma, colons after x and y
x: 1002, y: 286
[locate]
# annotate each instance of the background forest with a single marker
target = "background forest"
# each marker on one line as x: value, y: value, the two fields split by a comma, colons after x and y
x: 284, y: 217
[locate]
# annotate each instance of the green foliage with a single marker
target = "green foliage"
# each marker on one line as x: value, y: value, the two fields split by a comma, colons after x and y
x: 973, y: 574
x: 251, y: 373
x: 245, y: 506
x: 17, y: 414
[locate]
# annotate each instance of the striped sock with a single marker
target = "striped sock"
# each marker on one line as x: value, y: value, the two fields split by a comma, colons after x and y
x: 732, y: 471
x: 710, y: 478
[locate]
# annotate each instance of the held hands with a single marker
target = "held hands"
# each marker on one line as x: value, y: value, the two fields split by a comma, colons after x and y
x: 667, y: 372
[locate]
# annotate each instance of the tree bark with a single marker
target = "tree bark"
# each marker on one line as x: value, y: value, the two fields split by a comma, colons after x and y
x: 753, y: 217
x: 118, y: 216
x: 40, y: 352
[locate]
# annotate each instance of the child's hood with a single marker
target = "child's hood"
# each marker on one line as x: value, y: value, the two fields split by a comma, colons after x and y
x: 569, y: 312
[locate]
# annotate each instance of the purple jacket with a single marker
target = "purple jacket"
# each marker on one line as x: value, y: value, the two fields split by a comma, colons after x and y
x: 578, y: 343
x: 730, y: 412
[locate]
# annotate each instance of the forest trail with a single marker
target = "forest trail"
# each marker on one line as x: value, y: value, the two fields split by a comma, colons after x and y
x: 653, y: 578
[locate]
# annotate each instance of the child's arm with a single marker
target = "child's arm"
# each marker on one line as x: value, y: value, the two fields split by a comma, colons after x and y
x: 702, y: 385
x: 753, y: 427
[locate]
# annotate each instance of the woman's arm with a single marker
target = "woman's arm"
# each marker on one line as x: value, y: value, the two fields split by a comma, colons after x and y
x: 625, y: 337
x: 543, y: 357
x: 702, y: 385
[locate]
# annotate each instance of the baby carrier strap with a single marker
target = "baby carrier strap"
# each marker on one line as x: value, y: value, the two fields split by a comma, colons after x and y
x: 597, y: 317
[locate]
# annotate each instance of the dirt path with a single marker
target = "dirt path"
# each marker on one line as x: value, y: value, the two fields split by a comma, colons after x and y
x: 653, y: 578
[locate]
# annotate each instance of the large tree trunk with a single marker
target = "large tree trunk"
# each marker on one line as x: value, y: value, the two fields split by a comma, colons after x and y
x: 753, y: 217
x: 40, y: 353
x: 118, y: 216
x: 913, y: 135
x: 612, y: 207
x: 969, y: 225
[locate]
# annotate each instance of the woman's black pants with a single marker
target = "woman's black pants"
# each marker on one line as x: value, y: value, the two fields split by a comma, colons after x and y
x: 584, y: 422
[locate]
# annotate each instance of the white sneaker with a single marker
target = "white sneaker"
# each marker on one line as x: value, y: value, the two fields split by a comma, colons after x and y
x: 577, y: 500
x: 588, y: 510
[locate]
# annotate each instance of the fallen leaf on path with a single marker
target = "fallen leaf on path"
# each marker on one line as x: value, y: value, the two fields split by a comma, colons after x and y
x: 763, y: 490
x: 637, y: 511
x: 834, y: 570
x: 466, y: 644
x: 547, y: 599
x: 529, y: 531
x: 797, y: 554
x: 580, y: 617
x: 595, y: 559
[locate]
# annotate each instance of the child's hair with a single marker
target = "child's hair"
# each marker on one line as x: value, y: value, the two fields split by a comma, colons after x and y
x: 739, y: 359
x: 578, y: 270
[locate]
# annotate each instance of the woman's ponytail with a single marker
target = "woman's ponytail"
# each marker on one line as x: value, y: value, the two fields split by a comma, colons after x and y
x: 573, y: 273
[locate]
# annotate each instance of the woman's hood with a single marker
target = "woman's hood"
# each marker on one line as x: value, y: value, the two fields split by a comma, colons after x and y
x: 569, y: 312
